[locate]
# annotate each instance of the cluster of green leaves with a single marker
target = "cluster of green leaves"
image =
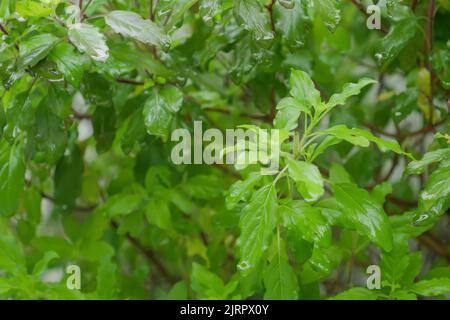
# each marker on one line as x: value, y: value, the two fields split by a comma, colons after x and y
x: 90, y: 92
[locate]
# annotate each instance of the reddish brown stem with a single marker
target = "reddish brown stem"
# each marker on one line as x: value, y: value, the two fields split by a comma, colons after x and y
x: 429, y: 47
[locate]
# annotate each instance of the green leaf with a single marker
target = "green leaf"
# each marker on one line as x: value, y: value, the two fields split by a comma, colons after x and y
x: 307, y: 221
x: 380, y: 191
x: 32, y: 9
x: 159, y: 110
x: 308, y: 179
x: 12, y: 171
x: 289, y: 110
x: 42, y: 264
x: 342, y: 132
x: 158, y: 213
x: 437, y: 185
x: 257, y: 223
x: 280, y: 279
x: 132, y: 25
x: 292, y: 21
x: 249, y: 14
x: 350, y: 89
x: 90, y: 40
x: 394, y: 264
x: 35, y: 49
x: 178, y: 291
x: 68, y: 177
x: 206, y: 284
x: 209, y: 9
x: 12, y: 259
x: 48, y: 133
x: 397, y: 39
x: 329, y: 12
x: 242, y: 189
x: 121, y: 204
x: 360, y: 137
x: 405, y: 103
x: 433, y: 287
x: 106, y: 279
x: 356, y: 294
x: 303, y: 89
x: 204, y: 186
x: 365, y: 214
x: 69, y: 63
x: 104, y: 123
x: 418, y: 166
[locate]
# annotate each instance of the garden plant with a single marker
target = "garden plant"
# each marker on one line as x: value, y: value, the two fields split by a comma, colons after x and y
x: 348, y: 201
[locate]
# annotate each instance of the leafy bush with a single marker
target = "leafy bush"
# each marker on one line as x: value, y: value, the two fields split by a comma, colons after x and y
x: 92, y: 90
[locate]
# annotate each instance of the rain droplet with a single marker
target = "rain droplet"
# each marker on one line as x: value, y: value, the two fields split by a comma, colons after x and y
x: 244, y: 265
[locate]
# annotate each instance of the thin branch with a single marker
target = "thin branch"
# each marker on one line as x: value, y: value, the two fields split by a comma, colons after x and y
x: 83, y: 10
x: 132, y: 82
x: 2, y: 28
x: 273, y: 104
x: 413, y: 5
x: 261, y: 117
x: 150, y: 255
x: 269, y: 8
x: 429, y: 47
x: 401, y: 136
x: 435, y: 244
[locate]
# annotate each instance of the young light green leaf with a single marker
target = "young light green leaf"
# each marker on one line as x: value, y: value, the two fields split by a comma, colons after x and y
x: 289, y: 110
x: 206, y: 284
x: 308, y: 179
x: 356, y: 294
x: 90, y: 40
x: 257, y: 223
x: 342, y: 132
x: 433, y: 287
x: 42, y: 264
x: 32, y: 9
x: 418, y: 166
x: 106, y: 279
x: 381, y: 190
x: 350, y: 89
x: 366, y: 214
x: 303, y: 89
x: 132, y: 25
